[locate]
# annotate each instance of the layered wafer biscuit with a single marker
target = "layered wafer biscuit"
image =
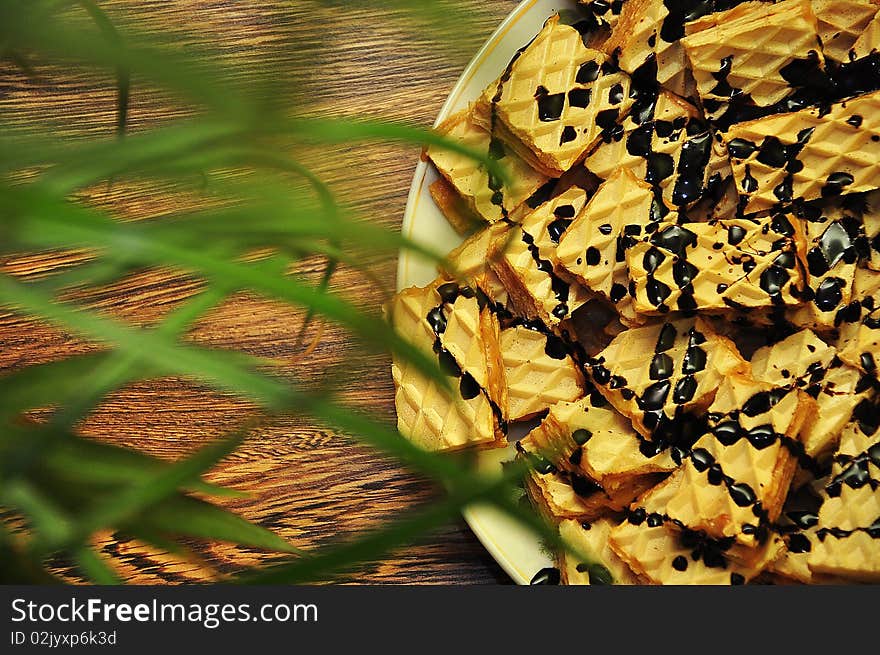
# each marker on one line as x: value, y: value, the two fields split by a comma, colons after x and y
x: 670, y: 150
x: 848, y: 526
x: 482, y: 195
x: 606, y: 12
x: 557, y: 97
x: 859, y: 340
x: 870, y: 215
x: 868, y: 42
x: 757, y: 58
x: 718, y: 266
x: 552, y: 494
x: 538, y: 372
x: 809, y: 154
x: 841, y: 23
x: 833, y: 237
x: 737, y: 476
x: 524, y: 260
x: 593, y: 248
x: 595, y: 563
x: 592, y: 439
x: 660, y: 552
x: 470, y: 263
x: 806, y: 362
x: 647, y: 45
x: 799, y: 534
x: 431, y: 416
x: 663, y: 375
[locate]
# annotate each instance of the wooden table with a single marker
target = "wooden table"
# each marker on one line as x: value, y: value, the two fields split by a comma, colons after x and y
x: 308, y: 484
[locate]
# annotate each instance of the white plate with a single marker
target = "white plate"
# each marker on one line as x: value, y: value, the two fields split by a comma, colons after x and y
x: 516, y: 549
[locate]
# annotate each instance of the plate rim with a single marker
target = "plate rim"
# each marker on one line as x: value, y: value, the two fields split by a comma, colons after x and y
x: 472, y: 514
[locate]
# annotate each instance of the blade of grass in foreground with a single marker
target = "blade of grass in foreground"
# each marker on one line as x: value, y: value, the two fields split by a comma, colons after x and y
x: 94, y: 567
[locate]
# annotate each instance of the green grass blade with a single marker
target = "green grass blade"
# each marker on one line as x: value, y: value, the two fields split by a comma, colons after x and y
x: 123, y: 75
x: 191, y: 517
x: 50, y: 522
x: 93, y: 566
x: 119, y: 508
x: 347, y: 130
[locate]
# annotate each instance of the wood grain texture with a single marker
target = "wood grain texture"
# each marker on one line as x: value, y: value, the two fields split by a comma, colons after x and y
x: 312, y: 486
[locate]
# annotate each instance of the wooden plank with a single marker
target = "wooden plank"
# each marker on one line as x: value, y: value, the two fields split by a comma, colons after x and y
x: 305, y: 482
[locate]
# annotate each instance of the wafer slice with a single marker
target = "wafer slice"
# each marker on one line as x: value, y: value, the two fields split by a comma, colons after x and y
x: 597, y: 563
x: 469, y: 263
x: 841, y: 23
x: 859, y: 342
x: 593, y: 247
x: 557, y: 97
x: 592, y: 439
x: 661, y: 553
x: 524, y: 260
x: 461, y: 217
x: 799, y: 533
x: 558, y: 496
x: 715, y: 267
x: 808, y: 154
x: 430, y: 416
x: 660, y: 376
x: 539, y: 372
x: 561, y: 494
x: 647, y: 47
x: 870, y: 215
x: 848, y: 528
x: 833, y: 237
x: 471, y: 179
x: 804, y: 361
x: 757, y: 58
x: 555, y: 499
x: 663, y: 130
x: 671, y: 150
x: 868, y: 42
x: 606, y: 13
x: 737, y: 476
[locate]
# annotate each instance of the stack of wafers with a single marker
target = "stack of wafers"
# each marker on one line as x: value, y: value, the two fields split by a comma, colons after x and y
x: 675, y: 290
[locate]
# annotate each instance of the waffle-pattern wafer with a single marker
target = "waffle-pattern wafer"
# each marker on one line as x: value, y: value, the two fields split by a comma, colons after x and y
x: 859, y: 342
x: 644, y: 47
x: 593, y: 248
x: 832, y: 235
x: 841, y: 23
x: 719, y: 266
x: 798, y: 529
x: 868, y: 42
x: 456, y: 210
x: 671, y: 150
x: 804, y: 361
x: 738, y: 474
x: 660, y: 375
x: 430, y: 416
x: 606, y: 13
x: 554, y: 497
x: 538, y: 372
x: 469, y: 262
x: 594, y: 440
x: 871, y: 224
x: 659, y: 551
x: 558, y: 97
x: 597, y: 563
x: 522, y: 260
x: 849, y: 519
x: 807, y: 154
x: 471, y: 179
x: 756, y: 59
